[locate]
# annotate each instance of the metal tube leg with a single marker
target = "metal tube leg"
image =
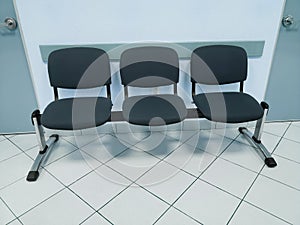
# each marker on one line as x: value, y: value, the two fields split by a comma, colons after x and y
x: 36, y: 121
x: 260, y: 123
x: 44, y: 146
x: 256, y: 138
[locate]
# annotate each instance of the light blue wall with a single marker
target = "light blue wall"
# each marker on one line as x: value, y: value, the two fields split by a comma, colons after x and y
x: 132, y: 21
x: 17, y: 97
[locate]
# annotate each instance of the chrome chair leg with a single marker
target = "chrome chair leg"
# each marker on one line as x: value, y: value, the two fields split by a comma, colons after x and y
x: 44, y: 146
x: 255, y: 138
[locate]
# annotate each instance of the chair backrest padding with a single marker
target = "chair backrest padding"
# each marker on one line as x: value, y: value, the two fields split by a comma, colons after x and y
x: 149, y: 66
x: 219, y: 64
x: 79, y: 67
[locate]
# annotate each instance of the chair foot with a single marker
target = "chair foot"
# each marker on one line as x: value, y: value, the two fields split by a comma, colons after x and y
x: 55, y: 136
x: 270, y: 162
x: 261, y: 149
x: 32, y: 176
x: 241, y: 129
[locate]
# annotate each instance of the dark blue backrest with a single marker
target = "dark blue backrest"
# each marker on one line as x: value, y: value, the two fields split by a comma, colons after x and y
x: 79, y: 67
x: 219, y: 64
x: 149, y: 66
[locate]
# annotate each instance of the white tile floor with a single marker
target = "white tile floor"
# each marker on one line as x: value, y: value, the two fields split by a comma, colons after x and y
x: 212, y: 176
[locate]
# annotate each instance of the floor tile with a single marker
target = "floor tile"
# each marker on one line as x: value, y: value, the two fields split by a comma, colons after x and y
x: 96, y: 219
x: 249, y: 215
x: 189, y: 159
x: 25, y: 141
x: 81, y: 140
x: 134, y: 206
x: 57, y: 151
x: 251, y: 124
x: 198, y: 124
x: 8, y: 149
x: 296, y: 123
x: 72, y: 167
x: 231, y: 133
x: 6, y: 214
x: 14, y: 168
x: 166, y: 128
x: 275, y: 198
x: 63, y: 208
x: 105, y: 148
x: 288, y: 149
x: 223, y: 174
x: 2, y: 138
x: 284, y: 167
x: 276, y: 128
x: 98, y: 187
x: 159, y: 145
x: 175, y: 217
x: 207, y: 204
x: 293, y: 133
x: 124, y: 127
x: 132, y: 164
x: 132, y: 138
x: 112, y: 176
x: 9, y: 135
x: 61, y: 133
x: 166, y: 181
x: 107, y: 128
x: 220, y: 125
x: 181, y: 135
x: 15, y: 222
x: 209, y: 142
x: 243, y: 155
x: 23, y: 195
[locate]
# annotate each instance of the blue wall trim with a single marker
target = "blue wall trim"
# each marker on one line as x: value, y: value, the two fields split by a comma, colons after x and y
x: 253, y: 48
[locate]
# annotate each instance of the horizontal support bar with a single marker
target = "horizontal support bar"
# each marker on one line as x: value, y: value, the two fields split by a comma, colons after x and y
x: 184, y: 49
x: 191, y: 113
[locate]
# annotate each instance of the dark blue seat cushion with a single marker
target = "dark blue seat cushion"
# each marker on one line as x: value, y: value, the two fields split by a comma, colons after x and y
x: 77, y: 113
x: 228, y: 107
x: 154, y: 110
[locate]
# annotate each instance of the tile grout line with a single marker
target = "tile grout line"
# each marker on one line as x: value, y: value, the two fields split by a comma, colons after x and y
x: 290, y: 125
x: 16, y: 218
x: 197, y: 178
x: 113, y: 198
x: 268, y: 212
x: 93, y: 170
x: 74, y: 144
x: 6, y: 186
x: 281, y: 138
x: 93, y: 214
x: 40, y: 203
x: 64, y: 187
x: 134, y: 182
x: 10, y: 157
x: 284, y: 157
x: 56, y: 193
x: 172, y: 205
x: 258, y: 174
x: 289, y: 186
x: 151, y: 192
x: 9, y: 139
x: 19, y: 148
x: 252, y: 184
